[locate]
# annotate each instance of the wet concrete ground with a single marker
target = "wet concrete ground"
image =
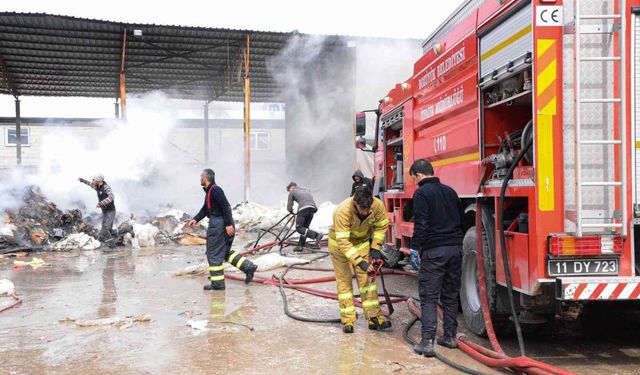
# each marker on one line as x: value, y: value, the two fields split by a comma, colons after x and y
x: 39, y: 337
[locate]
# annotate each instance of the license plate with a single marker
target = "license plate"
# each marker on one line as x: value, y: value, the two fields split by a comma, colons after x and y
x: 576, y: 267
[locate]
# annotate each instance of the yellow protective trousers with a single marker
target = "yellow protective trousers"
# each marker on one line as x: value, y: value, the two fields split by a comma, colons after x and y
x: 344, y: 283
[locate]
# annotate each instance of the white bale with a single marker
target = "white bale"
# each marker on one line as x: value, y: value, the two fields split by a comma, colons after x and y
x: 6, y: 287
x: 177, y: 214
x: 323, y: 219
x: 253, y: 215
x: 145, y: 235
x: 8, y: 230
x: 74, y: 241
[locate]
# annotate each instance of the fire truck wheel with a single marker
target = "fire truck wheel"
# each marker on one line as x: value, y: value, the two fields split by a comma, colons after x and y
x: 469, y: 288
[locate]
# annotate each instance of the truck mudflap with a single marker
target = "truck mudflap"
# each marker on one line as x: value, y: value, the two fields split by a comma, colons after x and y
x: 597, y: 288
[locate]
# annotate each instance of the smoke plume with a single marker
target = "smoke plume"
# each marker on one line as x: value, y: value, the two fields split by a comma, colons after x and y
x: 324, y: 81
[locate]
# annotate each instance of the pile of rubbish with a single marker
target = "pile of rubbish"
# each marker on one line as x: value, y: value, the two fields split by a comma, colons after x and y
x: 38, y: 224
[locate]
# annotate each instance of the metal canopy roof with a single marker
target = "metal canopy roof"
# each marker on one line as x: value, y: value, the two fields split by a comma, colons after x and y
x: 48, y: 55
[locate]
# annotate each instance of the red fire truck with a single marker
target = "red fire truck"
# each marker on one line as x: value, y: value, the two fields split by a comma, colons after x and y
x: 528, y: 110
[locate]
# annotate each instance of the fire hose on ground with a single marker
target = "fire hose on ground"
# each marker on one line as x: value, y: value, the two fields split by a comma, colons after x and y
x: 16, y: 301
x: 495, y: 358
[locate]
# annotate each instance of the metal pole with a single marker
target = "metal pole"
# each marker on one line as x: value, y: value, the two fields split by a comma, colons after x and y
x: 623, y: 116
x: 577, y: 121
x: 206, y: 131
x: 18, y: 134
x: 123, y: 78
x: 123, y: 96
x: 117, y: 108
x: 247, y: 124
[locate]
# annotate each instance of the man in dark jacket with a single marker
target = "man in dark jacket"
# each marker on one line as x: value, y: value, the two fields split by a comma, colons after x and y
x: 437, y: 236
x: 360, y: 180
x: 304, y: 216
x: 106, y: 202
x: 219, y: 234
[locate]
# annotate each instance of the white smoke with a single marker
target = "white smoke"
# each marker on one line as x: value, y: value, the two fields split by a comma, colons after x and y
x: 135, y: 157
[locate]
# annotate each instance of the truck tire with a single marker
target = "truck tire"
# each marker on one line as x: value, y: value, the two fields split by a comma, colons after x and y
x: 470, y: 288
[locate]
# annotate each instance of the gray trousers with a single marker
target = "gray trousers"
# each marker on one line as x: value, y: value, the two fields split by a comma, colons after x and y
x: 108, y: 218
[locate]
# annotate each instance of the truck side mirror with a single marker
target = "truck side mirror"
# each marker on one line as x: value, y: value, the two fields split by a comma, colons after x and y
x: 361, y: 143
x: 361, y: 124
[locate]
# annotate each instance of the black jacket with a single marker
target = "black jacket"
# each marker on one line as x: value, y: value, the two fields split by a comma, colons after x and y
x: 215, y: 204
x: 437, y: 216
x: 364, y: 181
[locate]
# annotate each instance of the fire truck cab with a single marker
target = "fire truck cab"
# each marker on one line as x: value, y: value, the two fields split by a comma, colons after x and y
x: 528, y: 110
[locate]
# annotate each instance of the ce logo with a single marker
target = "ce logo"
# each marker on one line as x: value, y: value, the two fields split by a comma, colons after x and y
x: 553, y: 17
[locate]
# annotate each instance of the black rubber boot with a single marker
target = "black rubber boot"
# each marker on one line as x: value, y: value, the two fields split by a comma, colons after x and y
x: 214, y: 285
x: 301, y: 242
x: 319, y: 237
x: 447, y: 342
x: 378, y: 324
x: 425, y: 348
x: 249, y: 270
x: 347, y: 327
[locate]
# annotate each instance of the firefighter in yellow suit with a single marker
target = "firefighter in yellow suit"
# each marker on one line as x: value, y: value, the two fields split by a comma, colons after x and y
x: 356, y: 236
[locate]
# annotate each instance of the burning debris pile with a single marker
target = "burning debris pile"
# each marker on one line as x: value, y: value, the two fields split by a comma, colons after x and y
x: 38, y: 223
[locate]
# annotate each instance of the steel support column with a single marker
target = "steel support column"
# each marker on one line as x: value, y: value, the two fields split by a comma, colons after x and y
x: 206, y: 131
x: 247, y: 123
x: 123, y: 78
x: 18, y: 134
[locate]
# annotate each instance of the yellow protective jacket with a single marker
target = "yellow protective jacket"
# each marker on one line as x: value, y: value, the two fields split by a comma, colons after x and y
x: 351, y: 237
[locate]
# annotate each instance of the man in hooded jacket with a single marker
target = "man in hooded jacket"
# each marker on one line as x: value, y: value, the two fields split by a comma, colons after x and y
x: 360, y: 180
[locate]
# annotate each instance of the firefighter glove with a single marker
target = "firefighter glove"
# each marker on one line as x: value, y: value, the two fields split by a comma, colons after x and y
x: 363, y: 266
x: 376, y: 254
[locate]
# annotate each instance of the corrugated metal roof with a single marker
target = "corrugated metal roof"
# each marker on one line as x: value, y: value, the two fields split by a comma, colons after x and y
x: 49, y: 55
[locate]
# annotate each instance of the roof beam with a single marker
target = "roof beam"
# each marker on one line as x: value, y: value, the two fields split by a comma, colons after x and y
x: 214, y: 34
x: 99, y: 51
x: 100, y: 62
x: 232, y: 58
x: 184, y: 54
x: 177, y: 55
